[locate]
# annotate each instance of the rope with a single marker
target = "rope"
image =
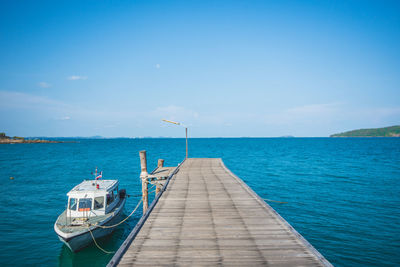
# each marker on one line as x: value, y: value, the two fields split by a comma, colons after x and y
x: 97, y: 245
x: 111, y: 226
x: 139, y: 195
x: 270, y: 200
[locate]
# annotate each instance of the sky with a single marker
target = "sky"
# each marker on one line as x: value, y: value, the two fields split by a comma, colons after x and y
x: 222, y: 68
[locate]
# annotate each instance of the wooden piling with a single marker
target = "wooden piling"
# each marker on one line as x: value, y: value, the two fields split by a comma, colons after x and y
x: 143, y: 164
x: 143, y: 177
x: 160, y: 163
x: 158, y: 189
x: 186, y: 143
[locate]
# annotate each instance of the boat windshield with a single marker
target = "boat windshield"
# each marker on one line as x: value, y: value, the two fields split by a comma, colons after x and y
x: 85, y: 204
x: 98, y: 203
x: 72, y: 203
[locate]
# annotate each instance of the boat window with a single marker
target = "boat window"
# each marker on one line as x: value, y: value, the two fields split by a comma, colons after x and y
x: 98, y: 203
x: 85, y: 204
x: 72, y: 203
x: 115, y: 192
x: 110, y: 199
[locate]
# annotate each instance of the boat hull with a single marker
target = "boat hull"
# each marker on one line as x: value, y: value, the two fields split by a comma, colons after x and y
x: 78, y: 242
x: 81, y: 241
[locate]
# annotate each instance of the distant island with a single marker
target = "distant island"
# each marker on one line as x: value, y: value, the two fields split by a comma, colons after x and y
x: 392, y: 131
x: 4, y: 139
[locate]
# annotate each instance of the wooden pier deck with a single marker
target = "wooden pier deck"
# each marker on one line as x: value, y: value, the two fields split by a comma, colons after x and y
x: 207, y: 216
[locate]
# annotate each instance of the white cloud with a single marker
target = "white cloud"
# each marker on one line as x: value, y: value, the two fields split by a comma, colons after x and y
x: 44, y: 84
x: 313, y: 110
x: 392, y: 111
x: 176, y: 113
x: 76, y: 77
x: 65, y: 118
x: 21, y: 100
x: 57, y: 109
x: 26, y: 109
x: 307, y: 113
x: 108, y: 126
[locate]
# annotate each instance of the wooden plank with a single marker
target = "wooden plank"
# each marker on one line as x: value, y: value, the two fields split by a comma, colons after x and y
x: 208, y: 216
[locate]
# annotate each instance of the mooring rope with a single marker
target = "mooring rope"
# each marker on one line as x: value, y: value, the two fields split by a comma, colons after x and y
x: 111, y: 226
x: 271, y: 200
x: 97, y: 245
x: 139, y: 195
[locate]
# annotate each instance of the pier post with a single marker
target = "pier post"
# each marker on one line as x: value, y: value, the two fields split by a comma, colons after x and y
x: 186, y: 143
x: 143, y: 177
x: 158, y: 189
x: 160, y: 163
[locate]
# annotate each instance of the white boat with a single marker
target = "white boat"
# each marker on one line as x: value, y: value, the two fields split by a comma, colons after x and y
x: 92, y: 206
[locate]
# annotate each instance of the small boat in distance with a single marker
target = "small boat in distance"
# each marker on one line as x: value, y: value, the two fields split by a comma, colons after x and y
x: 92, y: 206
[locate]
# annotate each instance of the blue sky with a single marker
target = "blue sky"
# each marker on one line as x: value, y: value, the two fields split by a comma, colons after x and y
x: 224, y: 68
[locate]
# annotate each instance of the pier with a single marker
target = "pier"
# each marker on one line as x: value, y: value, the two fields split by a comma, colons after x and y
x: 206, y: 215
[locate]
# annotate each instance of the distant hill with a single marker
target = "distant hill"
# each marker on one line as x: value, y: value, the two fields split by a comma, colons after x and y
x: 393, y: 131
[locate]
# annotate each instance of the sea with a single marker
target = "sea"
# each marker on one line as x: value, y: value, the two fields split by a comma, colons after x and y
x: 341, y: 194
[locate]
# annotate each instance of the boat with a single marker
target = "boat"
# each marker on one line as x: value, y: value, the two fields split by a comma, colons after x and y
x: 93, y: 208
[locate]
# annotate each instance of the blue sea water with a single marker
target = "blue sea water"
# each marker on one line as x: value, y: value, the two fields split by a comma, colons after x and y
x: 343, y: 195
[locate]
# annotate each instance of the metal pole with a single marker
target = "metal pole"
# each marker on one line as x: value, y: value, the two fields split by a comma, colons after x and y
x: 186, y: 130
x: 186, y: 143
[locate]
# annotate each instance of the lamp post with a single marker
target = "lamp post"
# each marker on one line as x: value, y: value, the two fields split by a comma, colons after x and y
x: 186, y: 131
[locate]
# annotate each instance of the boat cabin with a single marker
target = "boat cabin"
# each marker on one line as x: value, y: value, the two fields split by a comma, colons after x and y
x: 92, y: 198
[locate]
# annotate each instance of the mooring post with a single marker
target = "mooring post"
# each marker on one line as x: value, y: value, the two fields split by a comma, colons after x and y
x: 143, y: 177
x: 160, y: 164
x: 186, y: 143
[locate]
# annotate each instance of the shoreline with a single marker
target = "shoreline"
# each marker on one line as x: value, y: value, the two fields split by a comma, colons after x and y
x: 16, y: 141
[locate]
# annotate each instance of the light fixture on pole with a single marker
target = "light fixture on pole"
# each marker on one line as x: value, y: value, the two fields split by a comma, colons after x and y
x: 186, y: 131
